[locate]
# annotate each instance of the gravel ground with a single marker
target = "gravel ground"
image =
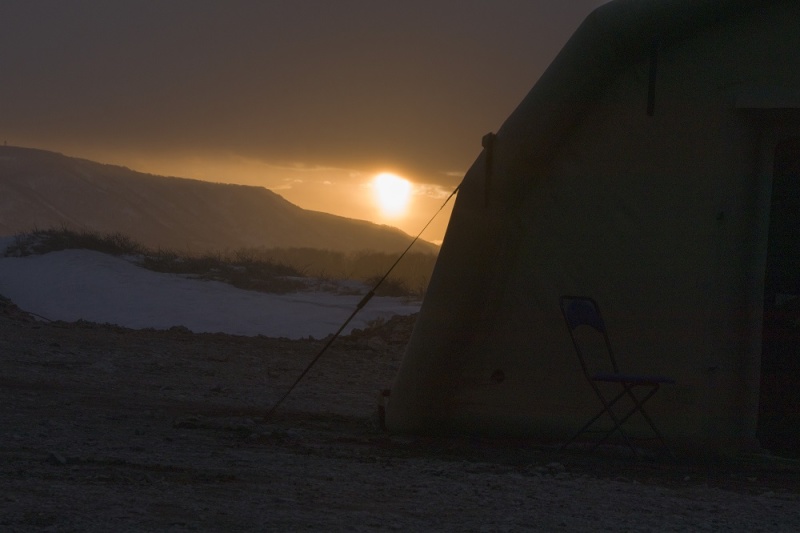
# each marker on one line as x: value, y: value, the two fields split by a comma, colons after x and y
x: 109, y: 429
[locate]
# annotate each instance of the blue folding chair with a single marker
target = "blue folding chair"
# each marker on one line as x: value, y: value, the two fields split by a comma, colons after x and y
x: 581, y: 311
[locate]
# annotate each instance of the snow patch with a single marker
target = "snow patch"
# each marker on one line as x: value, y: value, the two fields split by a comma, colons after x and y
x: 73, y: 285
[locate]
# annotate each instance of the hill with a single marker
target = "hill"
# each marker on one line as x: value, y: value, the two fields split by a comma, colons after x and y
x: 41, y: 189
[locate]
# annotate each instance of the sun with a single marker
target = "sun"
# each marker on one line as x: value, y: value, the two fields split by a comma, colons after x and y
x: 392, y: 194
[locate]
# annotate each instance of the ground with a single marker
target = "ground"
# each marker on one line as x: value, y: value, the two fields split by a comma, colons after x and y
x: 104, y: 428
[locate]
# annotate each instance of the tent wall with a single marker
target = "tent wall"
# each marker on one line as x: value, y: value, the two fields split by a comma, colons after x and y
x: 657, y: 217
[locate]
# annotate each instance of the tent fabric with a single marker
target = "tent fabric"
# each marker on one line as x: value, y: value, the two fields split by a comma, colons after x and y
x: 662, y: 218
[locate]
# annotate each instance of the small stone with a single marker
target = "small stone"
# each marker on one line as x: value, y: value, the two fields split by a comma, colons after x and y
x: 56, y: 459
x: 190, y: 422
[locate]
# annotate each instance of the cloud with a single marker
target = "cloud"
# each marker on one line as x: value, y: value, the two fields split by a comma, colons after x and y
x: 436, y: 192
x: 455, y: 173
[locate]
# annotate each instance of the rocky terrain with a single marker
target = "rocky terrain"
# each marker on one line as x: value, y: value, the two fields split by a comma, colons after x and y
x: 109, y: 429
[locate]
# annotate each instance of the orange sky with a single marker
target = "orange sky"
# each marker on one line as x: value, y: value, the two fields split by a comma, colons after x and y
x: 309, y: 98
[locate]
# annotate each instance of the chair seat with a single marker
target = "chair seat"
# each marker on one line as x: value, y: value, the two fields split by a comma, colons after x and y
x: 633, y: 379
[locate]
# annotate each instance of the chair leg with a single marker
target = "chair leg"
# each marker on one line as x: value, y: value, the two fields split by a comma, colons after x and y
x: 640, y: 408
x: 627, y: 390
x: 618, y: 422
x: 606, y: 409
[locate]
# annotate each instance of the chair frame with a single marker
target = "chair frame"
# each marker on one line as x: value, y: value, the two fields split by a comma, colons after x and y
x: 590, y: 316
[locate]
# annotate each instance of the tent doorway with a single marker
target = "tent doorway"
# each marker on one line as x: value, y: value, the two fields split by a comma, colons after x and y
x: 779, y: 405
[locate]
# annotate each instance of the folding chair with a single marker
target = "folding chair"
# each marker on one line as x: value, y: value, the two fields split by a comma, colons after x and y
x: 582, y: 311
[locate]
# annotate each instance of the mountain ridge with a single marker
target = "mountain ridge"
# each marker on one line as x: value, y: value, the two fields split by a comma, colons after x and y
x: 44, y: 189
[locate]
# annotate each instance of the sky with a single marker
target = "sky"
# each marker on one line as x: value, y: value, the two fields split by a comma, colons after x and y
x: 310, y: 98
x: 74, y: 285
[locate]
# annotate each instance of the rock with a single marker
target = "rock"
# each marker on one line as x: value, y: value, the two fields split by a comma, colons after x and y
x: 189, y: 422
x: 56, y: 459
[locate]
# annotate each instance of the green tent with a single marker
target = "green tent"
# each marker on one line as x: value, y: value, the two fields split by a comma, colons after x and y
x: 653, y: 167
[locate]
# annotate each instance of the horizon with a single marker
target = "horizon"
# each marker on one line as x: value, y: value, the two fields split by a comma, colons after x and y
x: 364, y: 110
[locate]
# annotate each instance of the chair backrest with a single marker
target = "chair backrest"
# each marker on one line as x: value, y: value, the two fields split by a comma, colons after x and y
x: 583, y: 311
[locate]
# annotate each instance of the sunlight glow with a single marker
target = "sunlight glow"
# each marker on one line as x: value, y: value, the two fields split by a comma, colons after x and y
x: 392, y: 194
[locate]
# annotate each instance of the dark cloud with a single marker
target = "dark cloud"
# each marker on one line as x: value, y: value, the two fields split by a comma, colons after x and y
x: 351, y: 83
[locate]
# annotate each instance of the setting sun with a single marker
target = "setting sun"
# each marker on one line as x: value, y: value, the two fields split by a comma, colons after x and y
x: 392, y: 194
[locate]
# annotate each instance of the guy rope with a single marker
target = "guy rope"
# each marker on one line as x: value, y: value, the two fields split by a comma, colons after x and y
x: 367, y: 297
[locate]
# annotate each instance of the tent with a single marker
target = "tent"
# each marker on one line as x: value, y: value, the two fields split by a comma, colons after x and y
x: 654, y: 167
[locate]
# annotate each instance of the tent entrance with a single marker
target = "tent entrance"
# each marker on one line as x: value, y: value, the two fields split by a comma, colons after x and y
x: 779, y: 405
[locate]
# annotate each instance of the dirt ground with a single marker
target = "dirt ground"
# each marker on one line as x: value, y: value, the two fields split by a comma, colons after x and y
x: 109, y: 429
